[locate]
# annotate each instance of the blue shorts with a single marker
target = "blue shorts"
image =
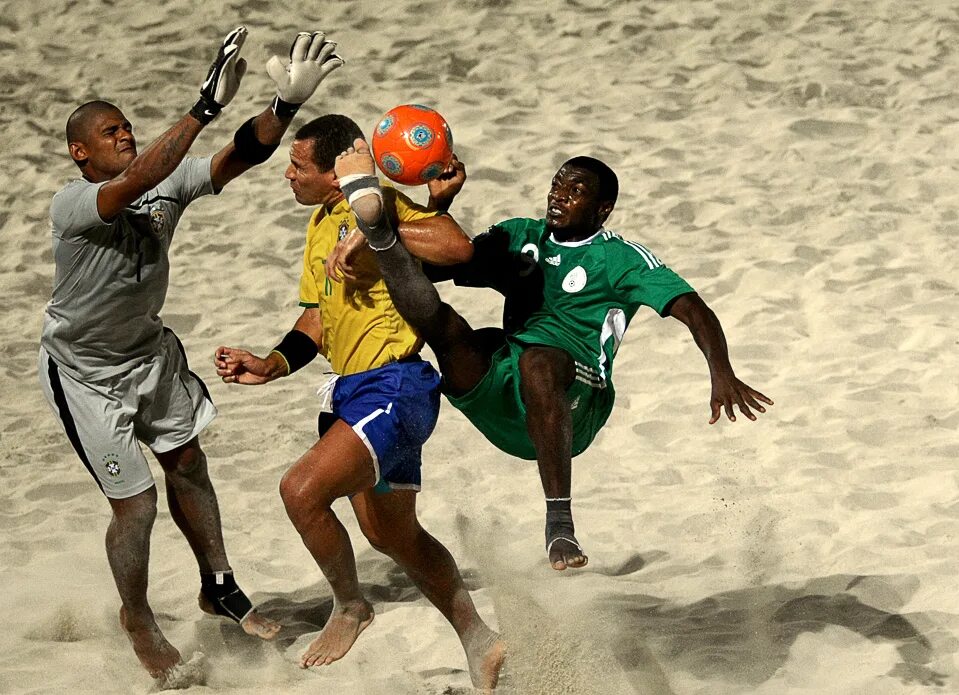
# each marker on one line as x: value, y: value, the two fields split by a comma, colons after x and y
x: 393, y: 409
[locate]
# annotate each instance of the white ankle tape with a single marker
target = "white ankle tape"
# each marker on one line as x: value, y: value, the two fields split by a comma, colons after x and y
x: 387, y: 247
x: 350, y: 178
x: 358, y: 185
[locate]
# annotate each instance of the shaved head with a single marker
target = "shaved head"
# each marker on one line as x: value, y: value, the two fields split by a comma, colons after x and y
x: 78, y: 124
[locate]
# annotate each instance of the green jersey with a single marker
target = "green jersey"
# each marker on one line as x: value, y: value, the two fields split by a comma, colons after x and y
x: 578, y: 296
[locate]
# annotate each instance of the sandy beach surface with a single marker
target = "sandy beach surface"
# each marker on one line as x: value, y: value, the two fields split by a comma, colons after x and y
x: 795, y: 161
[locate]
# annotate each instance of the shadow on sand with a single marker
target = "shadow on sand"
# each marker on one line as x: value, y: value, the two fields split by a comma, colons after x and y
x: 742, y: 636
x: 745, y: 635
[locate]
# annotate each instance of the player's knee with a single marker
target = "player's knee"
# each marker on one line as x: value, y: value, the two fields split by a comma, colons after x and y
x: 188, y: 461
x: 392, y: 541
x: 301, y: 496
x: 139, y: 511
x: 379, y: 542
x: 291, y: 492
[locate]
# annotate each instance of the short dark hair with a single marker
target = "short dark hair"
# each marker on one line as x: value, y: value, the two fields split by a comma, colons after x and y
x: 331, y: 134
x: 79, y: 121
x: 608, y: 183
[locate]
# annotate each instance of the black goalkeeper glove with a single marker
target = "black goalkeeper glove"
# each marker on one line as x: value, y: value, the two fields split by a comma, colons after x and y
x: 223, y: 79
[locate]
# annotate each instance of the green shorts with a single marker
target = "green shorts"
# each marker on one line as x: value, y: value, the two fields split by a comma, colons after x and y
x: 496, y: 408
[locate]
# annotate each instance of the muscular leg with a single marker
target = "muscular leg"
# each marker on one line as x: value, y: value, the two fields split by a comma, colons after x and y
x: 463, y: 361
x: 389, y: 522
x: 193, y: 504
x: 546, y: 373
x: 128, y: 551
x: 336, y: 466
x: 194, y: 508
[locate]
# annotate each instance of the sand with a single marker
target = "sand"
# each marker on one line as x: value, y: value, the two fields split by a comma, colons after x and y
x: 793, y: 160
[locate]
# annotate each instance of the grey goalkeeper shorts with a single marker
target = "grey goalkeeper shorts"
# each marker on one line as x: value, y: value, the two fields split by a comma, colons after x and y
x: 160, y: 403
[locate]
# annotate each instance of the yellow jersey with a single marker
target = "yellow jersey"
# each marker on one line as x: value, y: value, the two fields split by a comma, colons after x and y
x: 361, y: 328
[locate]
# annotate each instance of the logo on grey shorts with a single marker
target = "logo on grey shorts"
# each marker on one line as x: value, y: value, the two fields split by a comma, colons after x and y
x: 112, y: 465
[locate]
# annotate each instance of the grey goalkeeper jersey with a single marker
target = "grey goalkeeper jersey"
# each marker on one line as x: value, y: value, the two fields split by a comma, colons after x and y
x: 111, y: 278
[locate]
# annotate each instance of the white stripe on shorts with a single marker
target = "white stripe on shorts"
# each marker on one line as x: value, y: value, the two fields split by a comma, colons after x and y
x: 358, y: 428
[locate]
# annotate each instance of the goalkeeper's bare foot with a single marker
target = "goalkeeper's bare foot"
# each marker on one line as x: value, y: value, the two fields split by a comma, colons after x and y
x: 355, y: 162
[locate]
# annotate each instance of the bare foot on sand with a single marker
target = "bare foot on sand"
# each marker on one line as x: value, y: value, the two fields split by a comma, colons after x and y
x: 485, y: 656
x: 183, y: 675
x: 252, y: 623
x: 259, y: 625
x: 158, y: 656
x: 338, y: 635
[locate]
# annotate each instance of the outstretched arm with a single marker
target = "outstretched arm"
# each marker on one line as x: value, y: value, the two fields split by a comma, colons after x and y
x: 164, y: 154
x: 236, y: 366
x: 727, y: 390
x: 435, y: 240
x: 311, y: 60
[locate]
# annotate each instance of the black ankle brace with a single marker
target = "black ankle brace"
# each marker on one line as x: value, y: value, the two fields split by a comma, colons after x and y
x: 228, y: 599
x: 559, y: 517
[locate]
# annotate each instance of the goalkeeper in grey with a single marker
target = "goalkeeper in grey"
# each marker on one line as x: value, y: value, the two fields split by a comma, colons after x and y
x: 114, y: 376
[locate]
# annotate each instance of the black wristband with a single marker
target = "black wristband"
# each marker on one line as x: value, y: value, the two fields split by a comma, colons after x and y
x: 284, y: 109
x: 248, y: 148
x: 205, y: 110
x: 297, y: 349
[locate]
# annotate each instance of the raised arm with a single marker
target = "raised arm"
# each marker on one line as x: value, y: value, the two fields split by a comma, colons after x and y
x: 727, y: 390
x: 163, y: 155
x: 298, y: 348
x: 438, y: 241
x: 311, y: 60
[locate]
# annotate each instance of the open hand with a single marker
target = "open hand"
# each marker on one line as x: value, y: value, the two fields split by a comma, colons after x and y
x: 223, y: 78
x: 311, y: 60
x: 728, y: 391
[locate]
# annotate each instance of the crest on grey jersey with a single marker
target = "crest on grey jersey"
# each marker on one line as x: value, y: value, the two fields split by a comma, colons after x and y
x: 157, y: 220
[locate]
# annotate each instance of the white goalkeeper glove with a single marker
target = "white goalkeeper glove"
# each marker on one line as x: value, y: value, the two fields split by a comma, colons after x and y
x: 311, y: 60
x: 223, y: 79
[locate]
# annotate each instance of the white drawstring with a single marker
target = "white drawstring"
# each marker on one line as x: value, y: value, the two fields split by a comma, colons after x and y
x: 325, y: 393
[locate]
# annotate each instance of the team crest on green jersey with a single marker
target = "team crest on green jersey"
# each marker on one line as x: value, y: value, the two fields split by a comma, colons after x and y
x: 575, y: 280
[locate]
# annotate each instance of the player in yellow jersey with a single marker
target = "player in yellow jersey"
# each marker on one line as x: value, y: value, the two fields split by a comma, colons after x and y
x: 384, y: 399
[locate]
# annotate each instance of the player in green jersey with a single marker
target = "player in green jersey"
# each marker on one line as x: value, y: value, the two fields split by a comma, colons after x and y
x: 542, y: 388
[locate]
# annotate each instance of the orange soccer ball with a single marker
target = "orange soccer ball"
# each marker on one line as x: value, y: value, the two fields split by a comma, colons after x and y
x: 412, y: 144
